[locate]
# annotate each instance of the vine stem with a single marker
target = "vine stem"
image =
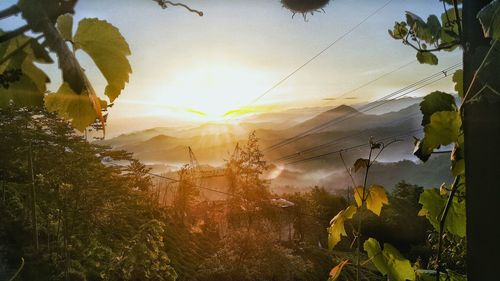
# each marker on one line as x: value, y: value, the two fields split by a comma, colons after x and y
x: 358, y: 232
x: 442, y: 222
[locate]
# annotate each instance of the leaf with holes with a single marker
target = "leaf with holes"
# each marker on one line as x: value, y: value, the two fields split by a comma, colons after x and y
x: 375, y: 198
x: 108, y: 49
x: 337, y: 229
x: 389, y: 261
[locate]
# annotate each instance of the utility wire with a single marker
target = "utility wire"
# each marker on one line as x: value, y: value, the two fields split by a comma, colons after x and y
x: 377, y: 103
x: 352, y: 29
x: 375, y: 80
x: 351, y: 147
x: 329, y: 143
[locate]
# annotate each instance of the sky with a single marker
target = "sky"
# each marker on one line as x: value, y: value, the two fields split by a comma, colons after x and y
x: 185, y: 65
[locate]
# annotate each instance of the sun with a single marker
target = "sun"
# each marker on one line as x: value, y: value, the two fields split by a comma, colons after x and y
x: 215, y: 92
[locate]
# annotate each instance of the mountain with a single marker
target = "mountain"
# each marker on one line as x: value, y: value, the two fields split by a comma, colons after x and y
x: 300, y: 162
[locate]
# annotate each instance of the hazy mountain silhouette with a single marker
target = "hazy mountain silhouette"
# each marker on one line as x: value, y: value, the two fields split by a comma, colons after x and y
x: 346, y: 127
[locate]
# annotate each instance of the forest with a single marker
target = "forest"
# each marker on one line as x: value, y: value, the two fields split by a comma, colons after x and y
x: 249, y: 191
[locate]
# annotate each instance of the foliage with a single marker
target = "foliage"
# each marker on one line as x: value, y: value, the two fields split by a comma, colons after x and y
x: 76, y: 99
x: 87, y: 212
x: 253, y: 255
x: 144, y: 257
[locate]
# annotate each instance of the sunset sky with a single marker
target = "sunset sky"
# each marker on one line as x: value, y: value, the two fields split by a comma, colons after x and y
x: 185, y: 66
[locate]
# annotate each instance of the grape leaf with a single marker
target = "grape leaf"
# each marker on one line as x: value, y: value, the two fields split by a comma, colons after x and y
x: 427, y: 58
x: 433, y: 205
x: 489, y: 17
x: 337, y: 229
x: 389, y: 261
x: 434, y: 102
x: 375, y: 198
x: 443, y: 129
x: 361, y: 163
x: 108, y: 49
x: 335, y: 272
x: 21, y: 53
x: 65, y: 26
x: 78, y: 108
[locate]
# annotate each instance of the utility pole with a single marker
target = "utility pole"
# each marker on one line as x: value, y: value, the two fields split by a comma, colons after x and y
x: 481, y: 124
x: 33, y: 201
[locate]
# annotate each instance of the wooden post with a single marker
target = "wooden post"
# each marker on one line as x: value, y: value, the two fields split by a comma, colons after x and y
x: 481, y: 124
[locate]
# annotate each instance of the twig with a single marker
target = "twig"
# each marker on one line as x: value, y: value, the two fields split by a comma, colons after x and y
x: 18, y: 270
x: 14, y: 33
x: 458, y: 21
x: 164, y: 4
x: 10, y: 11
x: 442, y: 222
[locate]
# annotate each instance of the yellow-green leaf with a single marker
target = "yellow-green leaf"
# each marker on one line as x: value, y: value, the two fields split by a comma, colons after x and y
x: 375, y: 198
x: 337, y: 229
x: 427, y: 58
x: 65, y: 26
x: 433, y: 204
x: 443, y: 129
x: 458, y: 79
x: 389, y: 261
x: 77, y: 108
x: 335, y: 272
x: 108, y: 49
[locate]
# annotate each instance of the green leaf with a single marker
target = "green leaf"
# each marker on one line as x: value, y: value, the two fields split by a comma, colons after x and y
x: 361, y: 163
x: 108, y: 49
x: 489, y: 17
x: 433, y: 204
x: 375, y: 198
x: 443, y: 129
x: 458, y: 79
x: 435, y: 102
x: 65, y: 26
x: 337, y: 229
x: 427, y: 58
x: 389, y: 261
x: 77, y: 108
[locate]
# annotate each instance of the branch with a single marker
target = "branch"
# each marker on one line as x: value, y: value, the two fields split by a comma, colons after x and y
x: 448, y: 46
x: 459, y: 21
x: 164, y: 4
x: 14, y: 33
x: 10, y: 11
x: 442, y: 222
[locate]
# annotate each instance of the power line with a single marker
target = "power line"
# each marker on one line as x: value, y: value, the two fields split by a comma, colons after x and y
x: 352, y: 29
x: 376, y: 79
x: 329, y: 143
x: 379, y: 102
x: 197, y: 186
x: 350, y: 148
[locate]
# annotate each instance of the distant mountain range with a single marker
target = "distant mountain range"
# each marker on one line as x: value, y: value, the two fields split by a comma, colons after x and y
x: 340, y: 127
